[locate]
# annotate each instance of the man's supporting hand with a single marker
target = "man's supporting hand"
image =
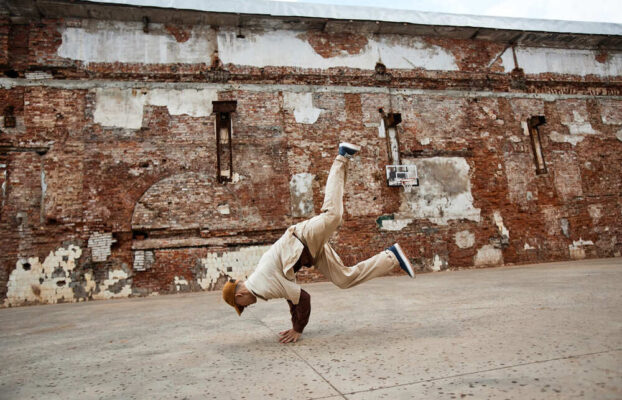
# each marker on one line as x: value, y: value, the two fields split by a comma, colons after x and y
x: 289, y: 335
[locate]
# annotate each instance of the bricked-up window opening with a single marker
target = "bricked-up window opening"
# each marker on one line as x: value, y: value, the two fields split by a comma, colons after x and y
x: 536, y: 145
x: 224, y: 130
x: 9, y: 117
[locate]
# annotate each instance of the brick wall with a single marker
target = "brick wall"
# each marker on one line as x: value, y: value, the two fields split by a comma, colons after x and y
x: 113, y: 164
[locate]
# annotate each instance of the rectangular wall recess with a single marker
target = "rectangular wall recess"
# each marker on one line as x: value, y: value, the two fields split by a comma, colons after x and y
x: 536, y: 144
x: 390, y: 122
x: 224, y: 130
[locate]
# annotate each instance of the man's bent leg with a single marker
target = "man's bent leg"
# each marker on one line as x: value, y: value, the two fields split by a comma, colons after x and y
x: 330, y: 264
x: 316, y: 231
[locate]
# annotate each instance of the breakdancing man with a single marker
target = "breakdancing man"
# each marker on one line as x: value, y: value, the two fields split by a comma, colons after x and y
x: 304, y: 245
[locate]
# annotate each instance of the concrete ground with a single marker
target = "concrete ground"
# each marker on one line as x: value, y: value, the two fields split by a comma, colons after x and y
x: 548, y: 331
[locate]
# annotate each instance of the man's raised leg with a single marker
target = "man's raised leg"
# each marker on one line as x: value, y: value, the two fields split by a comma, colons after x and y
x: 330, y: 265
x: 316, y: 231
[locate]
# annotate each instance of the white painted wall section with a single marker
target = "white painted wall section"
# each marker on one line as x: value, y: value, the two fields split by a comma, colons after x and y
x: 123, y: 108
x: 44, y: 282
x: 443, y: 194
x: 119, y: 108
x: 464, y: 239
x: 125, y: 42
x: 242, y: 263
x: 535, y: 60
x: 290, y: 49
x: 302, y: 105
x: 301, y: 191
x: 488, y: 255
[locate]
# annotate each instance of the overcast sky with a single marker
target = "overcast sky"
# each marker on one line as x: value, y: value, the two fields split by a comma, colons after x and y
x: 572, y: 10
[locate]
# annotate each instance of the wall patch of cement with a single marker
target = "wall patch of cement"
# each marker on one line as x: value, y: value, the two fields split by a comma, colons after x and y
x: 181, y: 284
x: 301, y: 192
x: 302, y: 105
x: 444, y: 191
x: 567, y: 175
x: 577, y: 248
x: 540, y: 60
x: 124, y: 108
x: 488, y: 255
x: 595, y: 211
x: 503, y: 231
x: 291, y: 49
x: 126, y: 42
x: 464, y: 239
x: 520, y: 173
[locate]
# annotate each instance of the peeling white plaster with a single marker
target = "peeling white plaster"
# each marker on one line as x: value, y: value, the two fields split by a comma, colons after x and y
x: 113, y: 278
x: 579, y: 125
x: 193, y: 102
x: 395, y: 224
x: 515, y: 139
x: 126, y: 42
x: 525, y: 127
x: 382, y: 133
x: 224, y: 209
x: 565, y: 226
x: 464, y: 239
x: 499, y: 222
x: 236, y: 264
x: 425, y: 141
x: 301, y: 191
x: 538, y: 60
x: 528, y: 247
x: 136, y: 171
x: 443, y: 194
x: 180, y: 283
x: 4, y: 173
x: 51, y: 281
x: 619, y: 135
x: 595, y: 211
x: 577, y: 248
x: 290, y: 49
x: 488, y: 255
x: 43, y: 282
x: 123, y: 108
x: 302, y: 105
x: 572, y: 139
x: 437, y: 263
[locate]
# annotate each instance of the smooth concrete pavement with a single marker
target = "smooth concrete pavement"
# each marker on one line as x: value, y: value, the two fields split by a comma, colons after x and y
x: 547, y: 331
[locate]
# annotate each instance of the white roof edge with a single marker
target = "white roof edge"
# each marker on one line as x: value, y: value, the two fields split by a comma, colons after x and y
x: 294, y: 9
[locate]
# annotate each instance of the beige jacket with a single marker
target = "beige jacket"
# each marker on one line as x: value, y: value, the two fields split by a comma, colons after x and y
x: 274, y: 277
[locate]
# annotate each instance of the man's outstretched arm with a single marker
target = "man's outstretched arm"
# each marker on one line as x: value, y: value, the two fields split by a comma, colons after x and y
x: 300, y: 317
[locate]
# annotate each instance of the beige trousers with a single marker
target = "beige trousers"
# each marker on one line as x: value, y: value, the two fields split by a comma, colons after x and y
x: 316, y: 231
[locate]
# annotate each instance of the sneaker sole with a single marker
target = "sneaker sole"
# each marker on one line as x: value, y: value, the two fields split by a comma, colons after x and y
x: 405, y: 259
x: 350, y: 146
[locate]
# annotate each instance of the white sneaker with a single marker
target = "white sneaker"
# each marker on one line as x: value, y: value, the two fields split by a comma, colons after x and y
x: 403, y: 260
x: 348, y: 149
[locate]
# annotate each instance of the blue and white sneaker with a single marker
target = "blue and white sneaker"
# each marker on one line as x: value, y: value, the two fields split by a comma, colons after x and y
x: 348, y: 149
x: 401, y: 257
